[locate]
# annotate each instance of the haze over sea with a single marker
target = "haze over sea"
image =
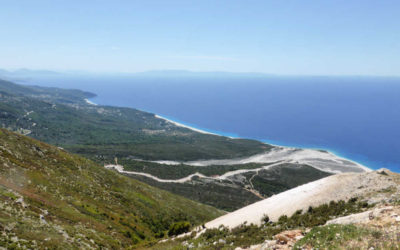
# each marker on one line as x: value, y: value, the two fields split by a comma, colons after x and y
x: 355, y: 117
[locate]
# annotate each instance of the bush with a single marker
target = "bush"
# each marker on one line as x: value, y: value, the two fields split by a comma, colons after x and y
x: 179, y: 228
x: 265, y: 219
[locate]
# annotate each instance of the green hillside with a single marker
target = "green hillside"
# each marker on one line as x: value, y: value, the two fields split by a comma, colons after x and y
x: 50, y: 198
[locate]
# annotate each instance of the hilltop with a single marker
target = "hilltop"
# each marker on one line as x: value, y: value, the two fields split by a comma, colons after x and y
x: 49, y: 198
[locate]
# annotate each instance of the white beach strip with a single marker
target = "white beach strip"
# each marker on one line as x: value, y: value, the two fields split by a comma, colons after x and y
x: 185, y: 126
x: 90, y: 102
x: 120, y: 169
x: 322, y: 160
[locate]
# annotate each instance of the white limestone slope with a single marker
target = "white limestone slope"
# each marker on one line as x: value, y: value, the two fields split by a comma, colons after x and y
x: 335, y: 187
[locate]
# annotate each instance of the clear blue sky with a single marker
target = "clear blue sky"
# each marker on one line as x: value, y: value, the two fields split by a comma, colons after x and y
x: 342, y: 37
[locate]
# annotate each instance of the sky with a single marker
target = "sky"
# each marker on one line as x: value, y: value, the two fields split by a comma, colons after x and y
x: 302, y: 37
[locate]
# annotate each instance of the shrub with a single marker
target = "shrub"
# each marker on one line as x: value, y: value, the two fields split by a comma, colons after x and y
x: 265, y: 219
x: 283, y: 219
x: 179, y: 228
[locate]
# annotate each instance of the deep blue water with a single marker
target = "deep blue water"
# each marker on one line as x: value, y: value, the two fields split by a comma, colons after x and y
x: 354, y: 117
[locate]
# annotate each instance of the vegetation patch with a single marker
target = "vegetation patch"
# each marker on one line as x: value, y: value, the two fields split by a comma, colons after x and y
x: 347, y: 237
x: 246, y: 235
x: 179, y: 228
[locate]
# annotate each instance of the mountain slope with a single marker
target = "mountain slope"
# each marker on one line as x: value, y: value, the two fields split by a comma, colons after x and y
x: 344, y: 211
x: 49, y: 197
x: 373, y: 186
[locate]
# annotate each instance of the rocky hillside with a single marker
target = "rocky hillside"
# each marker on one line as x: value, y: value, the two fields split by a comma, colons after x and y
x: 345, y: 211
x: 373, y: 186
x: 50, y: 198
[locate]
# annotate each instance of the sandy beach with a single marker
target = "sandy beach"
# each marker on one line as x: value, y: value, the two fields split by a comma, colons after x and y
x: 90, y: 102
x: 185, y: 126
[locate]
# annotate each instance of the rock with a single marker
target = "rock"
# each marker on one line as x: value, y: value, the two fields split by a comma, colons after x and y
x: 268, y: 244
x: 299, y: 237
x: 287, y: 236
x: 371, y: 216
x: 282, y: 238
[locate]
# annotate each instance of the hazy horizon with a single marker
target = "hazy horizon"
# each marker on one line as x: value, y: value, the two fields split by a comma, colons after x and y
x: 165, y: 72
x: 335, y: 38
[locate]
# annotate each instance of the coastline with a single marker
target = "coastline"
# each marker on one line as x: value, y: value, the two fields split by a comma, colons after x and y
x: 274, y: 143
x: 90, y: 102
x: 363, y: 166
x: 330, y: 151
x: 203, y: 131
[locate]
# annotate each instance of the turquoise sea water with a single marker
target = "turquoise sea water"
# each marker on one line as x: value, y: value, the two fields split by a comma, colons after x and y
x: 355, y: 117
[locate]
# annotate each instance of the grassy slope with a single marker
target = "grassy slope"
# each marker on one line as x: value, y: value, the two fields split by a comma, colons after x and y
x: 81, y: 204
x: 102, y: 132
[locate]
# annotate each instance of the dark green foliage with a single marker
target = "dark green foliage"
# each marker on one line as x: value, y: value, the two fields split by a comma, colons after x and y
x: 179, y: 228
x: 281, y: 178
x: 283, y: 219
x: 226, y: 195
x: 221, y: 195
x: 179, y: 171
x: 382, y: 173
x: 265, y: 219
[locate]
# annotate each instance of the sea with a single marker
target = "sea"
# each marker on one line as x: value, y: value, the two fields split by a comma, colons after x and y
x: 357, y: 118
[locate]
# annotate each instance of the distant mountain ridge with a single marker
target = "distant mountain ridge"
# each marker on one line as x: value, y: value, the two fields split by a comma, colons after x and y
x: 27, y: 73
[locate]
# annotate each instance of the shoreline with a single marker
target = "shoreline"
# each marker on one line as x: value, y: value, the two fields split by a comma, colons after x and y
x: 203, y: 131
x: 364, y: 166
x: 274, y: 143
x: 90, y: 102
